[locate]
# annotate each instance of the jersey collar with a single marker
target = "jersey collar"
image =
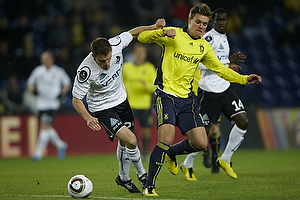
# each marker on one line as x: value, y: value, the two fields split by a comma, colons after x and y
x: 185, y: 30
x: 214, y: 30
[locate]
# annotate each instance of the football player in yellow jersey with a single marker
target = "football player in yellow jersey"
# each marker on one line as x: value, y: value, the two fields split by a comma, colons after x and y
x: 216, y: 96
x: 138, y: 78
x: 175, y: 104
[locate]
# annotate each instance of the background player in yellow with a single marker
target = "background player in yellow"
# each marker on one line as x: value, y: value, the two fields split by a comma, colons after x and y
x: 138, y: 78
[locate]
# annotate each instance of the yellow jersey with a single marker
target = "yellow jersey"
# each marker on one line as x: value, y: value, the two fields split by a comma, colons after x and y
x: 139, y: 84
x: 180, y: 60
x: 196, y: 81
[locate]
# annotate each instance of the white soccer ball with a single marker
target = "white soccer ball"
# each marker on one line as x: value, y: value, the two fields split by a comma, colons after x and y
x: 80, y: 186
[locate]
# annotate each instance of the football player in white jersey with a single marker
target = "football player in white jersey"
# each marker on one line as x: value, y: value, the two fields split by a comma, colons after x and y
x: 50, y: 82
x: 215, y: 96
x: 99, y: 78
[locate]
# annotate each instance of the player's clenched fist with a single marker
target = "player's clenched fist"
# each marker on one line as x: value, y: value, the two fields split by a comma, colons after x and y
x: 160, y: 23
x: 169, y: 33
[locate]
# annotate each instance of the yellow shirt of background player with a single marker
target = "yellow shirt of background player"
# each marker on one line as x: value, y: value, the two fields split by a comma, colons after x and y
x: 139, y: 84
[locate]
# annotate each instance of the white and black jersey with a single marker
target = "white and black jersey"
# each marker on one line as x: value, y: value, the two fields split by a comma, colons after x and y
x: 210, y: 81
x: 215, y: 96
x: 103, y: 89
x: 48, y: 83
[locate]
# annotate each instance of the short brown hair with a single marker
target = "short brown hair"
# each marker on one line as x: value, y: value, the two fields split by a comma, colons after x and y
x: 100, y: 46
x: 202, y: 9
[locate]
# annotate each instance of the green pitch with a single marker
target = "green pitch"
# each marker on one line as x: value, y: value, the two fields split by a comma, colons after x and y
x: 261, y: 175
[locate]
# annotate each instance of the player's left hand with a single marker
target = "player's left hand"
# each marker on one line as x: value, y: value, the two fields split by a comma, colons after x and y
x: 253, y: 78
x: 160, y: 23
x: 234, y: 67
x: 93, y: 123
x: 169, y: 33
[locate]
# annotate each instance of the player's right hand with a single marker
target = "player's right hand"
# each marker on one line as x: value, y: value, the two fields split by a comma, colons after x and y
x: 253, y: 78
x: 237, y: 57
x: 93, y: 123
x: 160, y: 23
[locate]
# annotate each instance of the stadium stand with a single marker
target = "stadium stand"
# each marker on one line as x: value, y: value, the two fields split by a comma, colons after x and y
x: 266, y: 31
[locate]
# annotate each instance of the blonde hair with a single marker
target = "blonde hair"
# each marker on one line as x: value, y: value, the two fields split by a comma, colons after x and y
x: 202, y: 9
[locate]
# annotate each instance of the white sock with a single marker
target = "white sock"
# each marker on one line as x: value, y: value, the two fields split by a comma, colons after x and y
x: 135, y: 158
x: 189, y: 160
x: 55, y: 139
x: 42, y: 142
x: 124, y: 163
x: 236, y: 137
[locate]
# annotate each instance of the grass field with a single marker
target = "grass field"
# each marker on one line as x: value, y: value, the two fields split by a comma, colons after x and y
x: 261, y: 175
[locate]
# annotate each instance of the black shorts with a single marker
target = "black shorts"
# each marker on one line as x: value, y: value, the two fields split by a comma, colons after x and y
x: 211, y: 105
x: 113, y: 119
x: 47, y: 116
x: 181, y: 112
x: 144, y: 116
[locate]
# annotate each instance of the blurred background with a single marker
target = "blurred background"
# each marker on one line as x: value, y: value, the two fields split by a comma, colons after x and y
x: 267, y: 32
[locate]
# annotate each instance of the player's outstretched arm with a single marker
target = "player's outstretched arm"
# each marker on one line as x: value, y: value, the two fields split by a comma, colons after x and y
x: 253, y: 78
x: 160, y: 23
x: 92, y: 122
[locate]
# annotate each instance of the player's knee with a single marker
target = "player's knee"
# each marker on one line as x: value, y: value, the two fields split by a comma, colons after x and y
x: 200, y: 145
x: 198, y: 138
x: 215, y: 132
x: 243, y: 124
x: 131, y: 143
x: 241, y: 121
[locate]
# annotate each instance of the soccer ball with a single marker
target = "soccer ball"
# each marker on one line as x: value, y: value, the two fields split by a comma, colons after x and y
x: 80, y: 186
